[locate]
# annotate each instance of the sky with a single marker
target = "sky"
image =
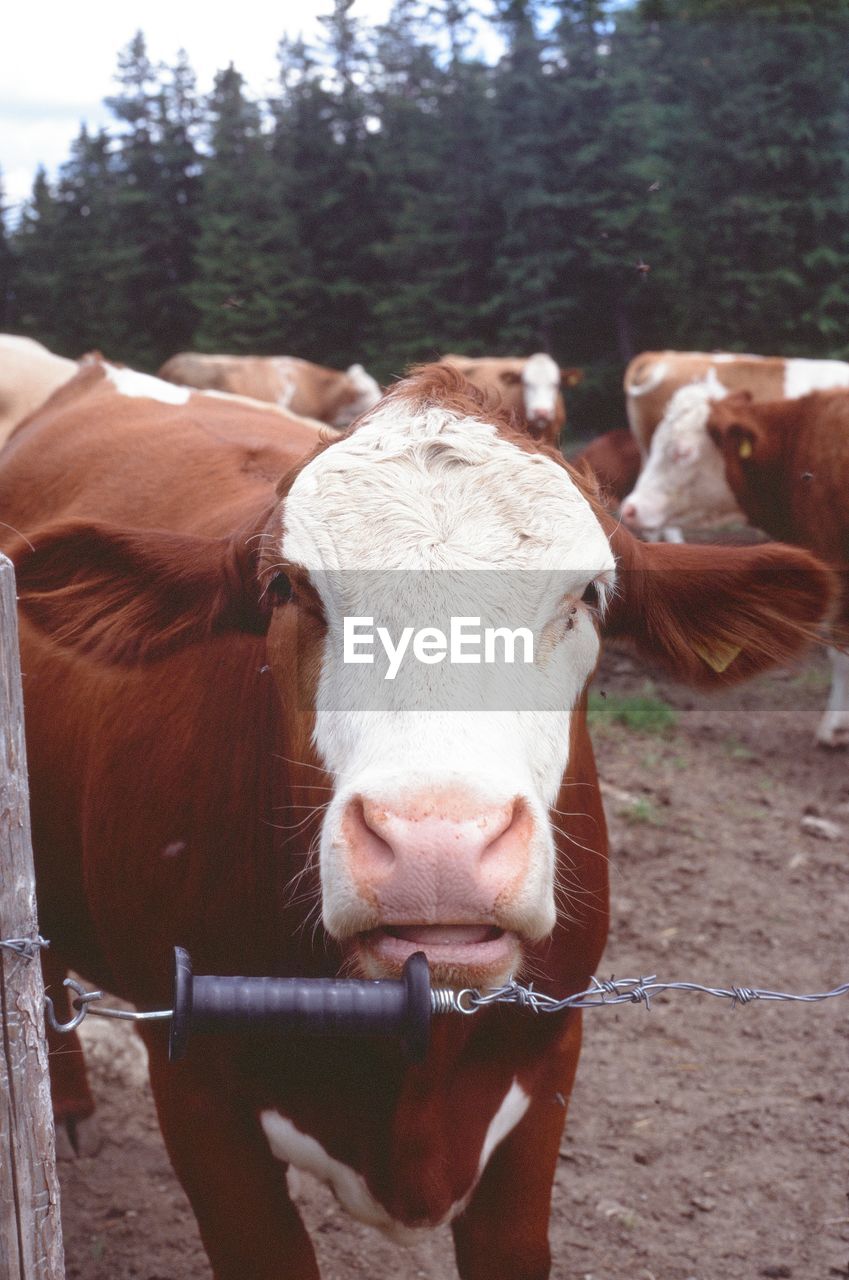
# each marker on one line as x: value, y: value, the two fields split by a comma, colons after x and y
x: 58, y: 59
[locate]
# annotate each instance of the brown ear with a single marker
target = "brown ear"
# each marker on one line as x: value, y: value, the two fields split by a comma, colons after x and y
x: 715, y: 615
x: 133, y: 595
x: 571, y: 377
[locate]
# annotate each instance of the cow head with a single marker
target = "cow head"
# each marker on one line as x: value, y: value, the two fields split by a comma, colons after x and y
x: 438, y: 833
x: 543, y: 404
x: 749, y: 452
x: 683, y: 478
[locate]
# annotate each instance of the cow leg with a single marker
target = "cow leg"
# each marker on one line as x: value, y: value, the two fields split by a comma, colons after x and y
x: 73, y: 1105
x: 248, y: 1223
x: 834, y: 726
x: 503, y: 1232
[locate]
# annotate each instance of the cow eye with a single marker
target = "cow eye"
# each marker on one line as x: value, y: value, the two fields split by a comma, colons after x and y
x: 279, y: 589
x: 590, y: 597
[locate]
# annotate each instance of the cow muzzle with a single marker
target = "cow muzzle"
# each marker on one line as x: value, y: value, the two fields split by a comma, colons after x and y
x: 443, y: 872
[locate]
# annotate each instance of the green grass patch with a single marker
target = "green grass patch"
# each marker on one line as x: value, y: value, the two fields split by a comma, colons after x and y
x: 641, y: 811
x: 644, y: 712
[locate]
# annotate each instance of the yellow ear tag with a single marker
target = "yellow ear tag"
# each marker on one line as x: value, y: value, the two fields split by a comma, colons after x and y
x: 745, y: 450
x: 719, y: 656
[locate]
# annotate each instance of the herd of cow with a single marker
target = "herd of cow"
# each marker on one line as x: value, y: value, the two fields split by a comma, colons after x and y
x: 199, y: 778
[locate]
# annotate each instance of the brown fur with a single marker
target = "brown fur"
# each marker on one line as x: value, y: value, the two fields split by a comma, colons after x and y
x: 787, y: 462
x: 614, y: 458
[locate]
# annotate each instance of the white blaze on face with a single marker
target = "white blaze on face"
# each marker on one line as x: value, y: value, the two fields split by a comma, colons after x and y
x: 416, y: 489
x: 683, y: 480
x: 540, y: 386
x: 129, y: 383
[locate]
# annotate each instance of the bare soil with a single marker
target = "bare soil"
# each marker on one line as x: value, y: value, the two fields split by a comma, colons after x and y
x: 703, y: 1142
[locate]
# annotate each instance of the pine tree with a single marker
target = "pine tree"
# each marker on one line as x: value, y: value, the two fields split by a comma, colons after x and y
x: 7, y: 268
x: 244, y: 251
x: 154, y: 202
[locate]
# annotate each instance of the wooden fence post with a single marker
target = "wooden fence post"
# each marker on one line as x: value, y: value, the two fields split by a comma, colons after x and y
x: 30, y: 1228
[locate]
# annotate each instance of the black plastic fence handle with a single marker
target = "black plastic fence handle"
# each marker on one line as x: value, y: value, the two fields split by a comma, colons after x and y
x: 315, y: 1006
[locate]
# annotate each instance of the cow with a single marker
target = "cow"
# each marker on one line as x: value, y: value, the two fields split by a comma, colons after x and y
x: 787, y: 464
x: 203, y: 774
x: 307, y: 389
x: 614, y: 458
x: 529, y: 385
x: 667, y: 395
x: 29, y: 373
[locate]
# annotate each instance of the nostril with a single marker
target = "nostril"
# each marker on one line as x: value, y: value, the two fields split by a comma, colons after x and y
x: 629, y: 512
x: 361, y: 825
x: 511, y: 832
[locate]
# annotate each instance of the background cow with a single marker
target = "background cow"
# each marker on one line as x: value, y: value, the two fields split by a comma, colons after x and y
x: 787, y: 464
x: 529, y: 385
x: 307, y: 389
x: 614, y: 459
x: 29, y: 373
x: 173, y: 569
x: 667, y: 395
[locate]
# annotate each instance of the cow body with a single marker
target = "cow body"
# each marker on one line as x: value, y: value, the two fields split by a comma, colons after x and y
x: 29, y: 373
x: 787, y: 464
x: 304, y: 388
x: 527, y: 385
x: 199, y: 777
x: 668, y: 395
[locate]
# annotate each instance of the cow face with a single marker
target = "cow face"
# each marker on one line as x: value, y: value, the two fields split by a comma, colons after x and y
x: 541, y: 394
x: 683, y: 479
x: 437, y: 835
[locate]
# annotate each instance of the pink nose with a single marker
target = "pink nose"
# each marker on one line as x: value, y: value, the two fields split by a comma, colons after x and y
x: 629, y: 512
x: 439, y: 857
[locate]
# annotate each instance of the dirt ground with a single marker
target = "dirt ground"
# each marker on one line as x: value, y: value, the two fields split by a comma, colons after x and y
x: 703, y: 1143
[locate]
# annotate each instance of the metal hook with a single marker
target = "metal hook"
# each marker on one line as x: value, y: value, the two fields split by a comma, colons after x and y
x: 81, y: 1004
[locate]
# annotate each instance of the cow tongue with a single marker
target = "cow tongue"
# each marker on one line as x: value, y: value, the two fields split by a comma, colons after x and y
x: 435, y: 935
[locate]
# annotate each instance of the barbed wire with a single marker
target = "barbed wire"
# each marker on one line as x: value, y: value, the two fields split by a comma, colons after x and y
x: 26, y: 948
x: 618, y: 991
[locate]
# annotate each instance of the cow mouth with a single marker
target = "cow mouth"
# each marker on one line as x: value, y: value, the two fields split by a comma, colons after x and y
x: 458, y: 954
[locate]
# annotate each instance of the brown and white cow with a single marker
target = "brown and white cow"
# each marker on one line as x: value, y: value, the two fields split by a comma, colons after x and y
x: 201, y: 773
x: 529, y: 385
x: 667, y: 395
x: 308, y: 389
x: 29, y: 373
x: 787, y: 464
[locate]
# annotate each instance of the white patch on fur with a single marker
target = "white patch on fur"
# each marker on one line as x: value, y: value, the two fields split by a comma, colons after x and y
x: 508, y: 1115
x: 804, y: 376
x: 683, y: 480
x: 419, y: 488
x: 303, y: 1152
x: 130, y: 383
x: 367, y: 395
x: 540, y: 386
x: 657, y: 373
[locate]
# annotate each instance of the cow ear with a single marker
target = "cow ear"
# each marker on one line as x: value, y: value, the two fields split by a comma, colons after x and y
x: 715, y: 615
x: 571, y: 377
x: 134, y: 595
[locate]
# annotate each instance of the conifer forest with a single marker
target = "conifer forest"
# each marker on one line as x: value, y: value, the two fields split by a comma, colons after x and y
x: 617, y: 176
